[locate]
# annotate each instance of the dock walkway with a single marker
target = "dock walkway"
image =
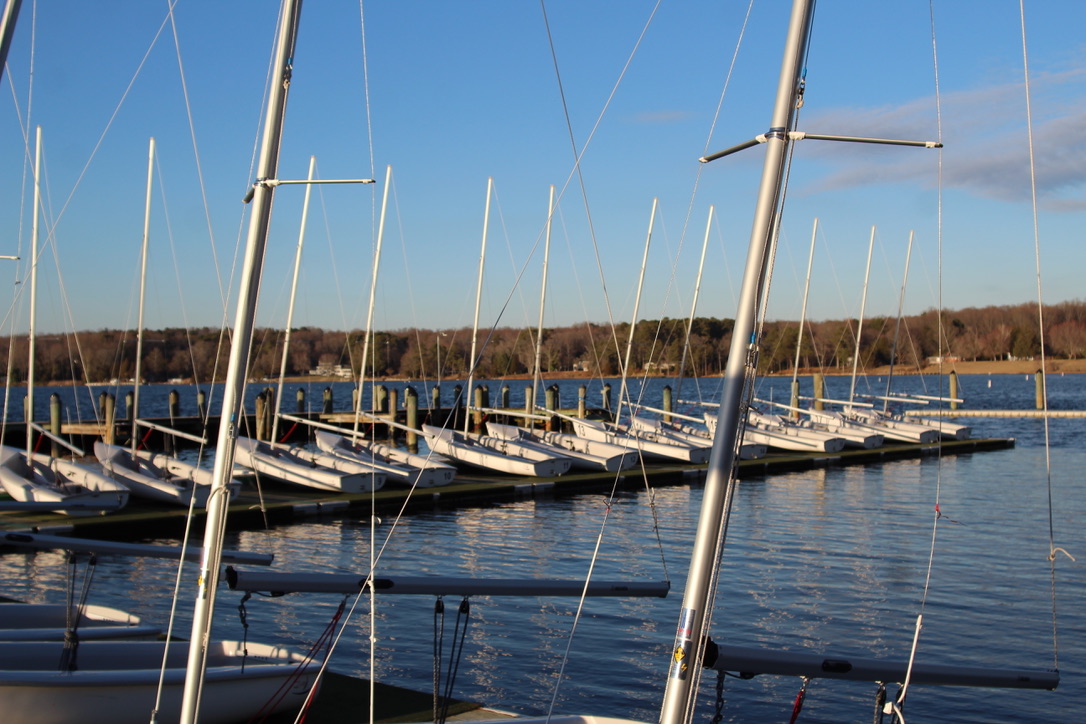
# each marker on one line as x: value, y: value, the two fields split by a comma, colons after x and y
x: 278, y: 504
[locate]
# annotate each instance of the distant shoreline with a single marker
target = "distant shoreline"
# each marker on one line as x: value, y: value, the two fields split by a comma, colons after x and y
x: 991, y: 367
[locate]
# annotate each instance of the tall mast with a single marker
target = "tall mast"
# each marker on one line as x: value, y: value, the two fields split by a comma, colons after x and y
x: 897, y: 325
x: 143, y: 293
x: 720, y: 479
x: 803, y: 320
x: 7, y: 29
x: 369, y: 313
x: 624, y: 394
x: 30, y: 334
x: 694, y: 305
x: 469, y: 401
x: 234, y: 387
x: 542, y: 300
x: 860, y: 324
x: 290, y: 306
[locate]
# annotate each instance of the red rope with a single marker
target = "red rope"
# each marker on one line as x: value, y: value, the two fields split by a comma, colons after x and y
x: 797, y: 707
x: 288, y: 433
x: 324, y: 639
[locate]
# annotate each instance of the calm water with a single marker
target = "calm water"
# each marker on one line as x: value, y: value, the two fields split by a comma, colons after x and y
x: 832, y: 560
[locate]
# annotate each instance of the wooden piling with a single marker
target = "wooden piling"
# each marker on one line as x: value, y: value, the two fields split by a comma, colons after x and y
x: 1039, y: 383
x: 261, y: 403
x: 54, y: 419
x: 953, y: 379
x: 667, y: 403
x: 477, y: 413
x: 582, y: 401
x: 552, y: 404
x: 794, y: 414
x: 819, y: 391
x: 393, y: 407
x: 326, y: 403
x: 299, y: 400
x: 201, y: 404
x: 109, y: 415
x: 380, y: 399
x: 411, y: 403
x: 607, y: 397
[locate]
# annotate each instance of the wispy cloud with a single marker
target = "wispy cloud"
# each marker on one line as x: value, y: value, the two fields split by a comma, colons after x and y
x: 985, y: 138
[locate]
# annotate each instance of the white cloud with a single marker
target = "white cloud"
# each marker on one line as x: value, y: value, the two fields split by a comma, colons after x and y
x: 985, y: 137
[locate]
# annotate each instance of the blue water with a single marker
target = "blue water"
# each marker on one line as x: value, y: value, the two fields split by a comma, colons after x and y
x: 833, y: 560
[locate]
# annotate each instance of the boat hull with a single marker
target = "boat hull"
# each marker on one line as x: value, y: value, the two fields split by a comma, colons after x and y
x: 101, y: 691
x: 316, y: 470
x: 76, y: 489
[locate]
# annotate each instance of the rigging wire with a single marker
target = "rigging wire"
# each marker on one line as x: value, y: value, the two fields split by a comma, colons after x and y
x: 1052, y: 548
x: 895, y: 705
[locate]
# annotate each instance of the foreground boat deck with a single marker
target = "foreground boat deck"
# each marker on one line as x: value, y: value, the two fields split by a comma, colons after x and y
x: 277, y: 504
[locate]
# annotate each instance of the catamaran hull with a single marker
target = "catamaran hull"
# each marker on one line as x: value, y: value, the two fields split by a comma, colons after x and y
x: 115, y: 682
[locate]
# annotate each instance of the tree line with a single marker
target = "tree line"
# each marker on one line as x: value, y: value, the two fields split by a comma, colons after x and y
x: 657, y: 347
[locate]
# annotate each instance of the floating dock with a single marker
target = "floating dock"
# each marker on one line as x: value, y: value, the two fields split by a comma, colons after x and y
x: 277, y: 504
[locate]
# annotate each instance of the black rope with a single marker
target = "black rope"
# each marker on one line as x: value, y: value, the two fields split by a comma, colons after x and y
x: 899, y: 706
x: 439, y: 639
x: 243, y: 615
x: 75, y: 609
x: 455, y: 652
x: 718, y: 711
x: 880, y: 702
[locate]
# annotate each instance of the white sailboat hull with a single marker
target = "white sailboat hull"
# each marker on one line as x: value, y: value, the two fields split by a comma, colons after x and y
x: 651, y: 445
x: 585, y: 454
x: 77, y: 489
x: 432, y: 474
x: 115, y: 682
x: 487, y: 453
x: 893, y: 429
x: 295, y: 466
x: 776, y: 432
x: 147, y: 481
x: 853, y: 435
x: 49, y: 622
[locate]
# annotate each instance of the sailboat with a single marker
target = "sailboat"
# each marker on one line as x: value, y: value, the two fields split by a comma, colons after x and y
x: 478, y: 450
x: 56, y: 622
x: 294, y: 464
x: 156, y: 476
x: 399, y: 467
x: 584, y: 454
x: 30, y: 477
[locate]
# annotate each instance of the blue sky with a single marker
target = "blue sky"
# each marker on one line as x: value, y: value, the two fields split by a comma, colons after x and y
x: 451, y: 94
